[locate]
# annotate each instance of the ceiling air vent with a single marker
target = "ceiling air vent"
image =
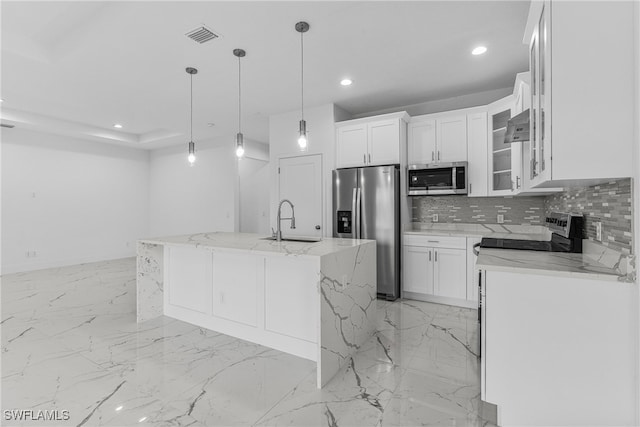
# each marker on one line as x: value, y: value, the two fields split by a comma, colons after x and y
x: 202, y: 35
x: 4, y: 125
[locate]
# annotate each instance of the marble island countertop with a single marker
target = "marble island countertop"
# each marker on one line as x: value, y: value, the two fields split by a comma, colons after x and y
x: 256, y: 243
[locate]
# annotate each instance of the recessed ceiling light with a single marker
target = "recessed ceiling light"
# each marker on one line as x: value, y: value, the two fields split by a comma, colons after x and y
x: 117, y: 126
x: 1, y: 100
x: 346, y: 82
x: 479, y: 50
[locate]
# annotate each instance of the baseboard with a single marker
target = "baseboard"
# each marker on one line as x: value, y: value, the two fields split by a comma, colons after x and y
x: 440, y: 300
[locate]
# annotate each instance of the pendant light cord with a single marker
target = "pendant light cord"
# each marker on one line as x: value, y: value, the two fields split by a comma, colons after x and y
x: 191, y: 107
x: 302, y: 73
x: 239, y: 98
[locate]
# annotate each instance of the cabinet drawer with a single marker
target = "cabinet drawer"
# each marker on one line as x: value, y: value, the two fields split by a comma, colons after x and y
x: 435, y: 241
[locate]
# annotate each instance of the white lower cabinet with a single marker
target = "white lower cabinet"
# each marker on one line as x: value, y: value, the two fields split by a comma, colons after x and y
x: 435, y: 269
x: 235, y: 287
x: 189, y: 279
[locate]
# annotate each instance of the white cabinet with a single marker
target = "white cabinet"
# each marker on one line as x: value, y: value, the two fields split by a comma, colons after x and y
x: 477, y: 154
x: 351, y: 145
x: 435, y: 268
x: 236, y: 286
x: 450, y: 272
x: 371, y: 141
x: 504, y: 168
x: 544, y: 341
x: 436, y: 138
x: 582, y: 115
x: 189, y: 279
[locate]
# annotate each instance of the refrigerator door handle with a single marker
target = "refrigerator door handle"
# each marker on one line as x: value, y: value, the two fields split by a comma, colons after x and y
x: 353, y: 213
x: 357, y: 210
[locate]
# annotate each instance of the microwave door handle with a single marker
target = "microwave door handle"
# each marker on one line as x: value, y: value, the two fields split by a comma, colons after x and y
x: 454, y: 178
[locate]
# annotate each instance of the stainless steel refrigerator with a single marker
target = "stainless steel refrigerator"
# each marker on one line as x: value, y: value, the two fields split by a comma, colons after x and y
x: 366, y: 205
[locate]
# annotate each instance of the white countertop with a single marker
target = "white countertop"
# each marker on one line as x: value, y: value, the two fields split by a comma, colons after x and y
x: 582, y: 265
x: 255, y: 243
x: 498, y: 231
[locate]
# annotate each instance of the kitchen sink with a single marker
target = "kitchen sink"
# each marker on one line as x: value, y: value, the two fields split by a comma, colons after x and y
x: 295, y: 239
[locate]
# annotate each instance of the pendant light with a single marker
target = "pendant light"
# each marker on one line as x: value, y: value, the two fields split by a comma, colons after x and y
x: 192, y: 147
x: 239, y: 53
x: 302, y: 27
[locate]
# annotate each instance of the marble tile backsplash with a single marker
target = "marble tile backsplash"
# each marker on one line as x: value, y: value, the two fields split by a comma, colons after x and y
x: 609, y: 203
x: 483, y: 210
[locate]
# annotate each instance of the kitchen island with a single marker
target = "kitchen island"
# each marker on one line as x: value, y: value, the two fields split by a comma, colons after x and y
x: 316, y: 300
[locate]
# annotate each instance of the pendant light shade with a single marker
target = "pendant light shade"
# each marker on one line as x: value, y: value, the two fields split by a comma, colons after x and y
x: 302, y: 27
x: 192, y: 146
x: 239, y: 53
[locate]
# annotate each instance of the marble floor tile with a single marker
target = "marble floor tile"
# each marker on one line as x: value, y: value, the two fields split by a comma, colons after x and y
x: 70, y: 341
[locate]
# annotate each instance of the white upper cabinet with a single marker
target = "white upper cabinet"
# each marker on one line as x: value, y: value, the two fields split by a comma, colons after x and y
x: 504, y: 169
x: 586, y: 133
x: 436, y: 138
x: 371, y: 141
x: 351, y: 146
x: 422, y: 141
x: 452, y: 139
x: 477, y: 154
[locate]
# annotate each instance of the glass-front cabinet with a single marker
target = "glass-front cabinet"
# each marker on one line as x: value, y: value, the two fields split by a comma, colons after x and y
x: 539, y: 65
x: 505, y: 164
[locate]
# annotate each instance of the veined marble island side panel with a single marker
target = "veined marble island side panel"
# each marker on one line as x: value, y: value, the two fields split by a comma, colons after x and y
x: 150, y: 281
x: 348, y: 291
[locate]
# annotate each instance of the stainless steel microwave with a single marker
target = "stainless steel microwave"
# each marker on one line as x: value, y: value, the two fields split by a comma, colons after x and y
x: 437, y: 179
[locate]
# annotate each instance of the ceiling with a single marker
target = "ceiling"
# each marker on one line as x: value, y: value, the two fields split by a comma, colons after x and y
x: 83, y: 66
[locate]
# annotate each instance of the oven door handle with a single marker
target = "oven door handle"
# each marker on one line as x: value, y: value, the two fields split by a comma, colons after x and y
x: 476, y: 249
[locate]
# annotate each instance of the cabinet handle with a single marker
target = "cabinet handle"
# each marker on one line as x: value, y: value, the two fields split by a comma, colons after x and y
x: 429, y: 255
x: 470, y: 188
x: 433, y: 241
x: 436, y: 255
x: 369, y: 158
x: 438, y: 154
x: 517, y: 182
x: 433, y: 156
x: 364, y: 159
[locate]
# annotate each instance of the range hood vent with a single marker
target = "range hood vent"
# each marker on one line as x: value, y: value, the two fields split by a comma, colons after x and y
x: 517, y: 128
x: 4, y: 125
x: 202, y: 35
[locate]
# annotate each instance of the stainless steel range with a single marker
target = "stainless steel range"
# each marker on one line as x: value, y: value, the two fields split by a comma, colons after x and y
x: 566, y: 236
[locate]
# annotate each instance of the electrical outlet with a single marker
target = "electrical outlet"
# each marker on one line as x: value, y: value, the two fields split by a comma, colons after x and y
x: 500, y: 219
x: 598, y: 225
x: 434, y: 218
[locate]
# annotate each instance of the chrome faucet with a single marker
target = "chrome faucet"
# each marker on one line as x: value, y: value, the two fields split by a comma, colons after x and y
x: 293, y: 218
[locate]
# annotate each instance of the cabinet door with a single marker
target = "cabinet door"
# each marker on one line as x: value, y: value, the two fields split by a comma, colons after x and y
x: 189, y: 279
x: 452, y: 139
x: 235, y: 286
x: 351, y: 146
x: 422, y: 142
x: 450, y: 272
x: 516, y: 167
x: 384, y: 142
x: 477, y: 154
x: 418, y: 269
x: 499, y: 164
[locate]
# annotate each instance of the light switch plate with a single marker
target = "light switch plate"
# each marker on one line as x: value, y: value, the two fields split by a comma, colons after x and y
x: 500, y: 219
x: 434, y: 218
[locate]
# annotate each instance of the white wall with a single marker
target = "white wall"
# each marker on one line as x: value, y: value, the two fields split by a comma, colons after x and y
x: 636, y: 189
x: 201, y: 198
x: 69, y: 200
x: 283, y: 142
x: 254, y: 196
